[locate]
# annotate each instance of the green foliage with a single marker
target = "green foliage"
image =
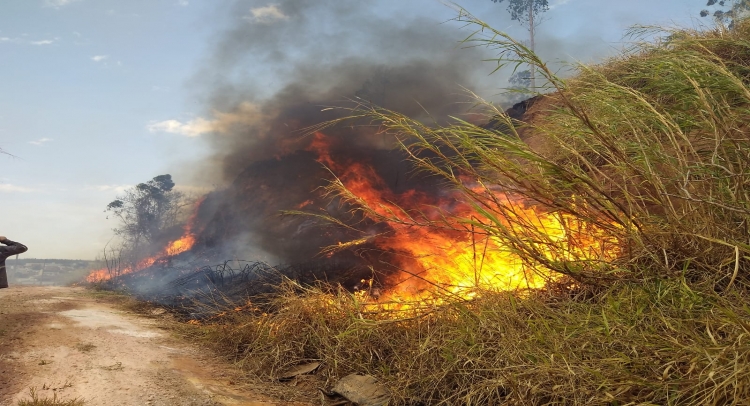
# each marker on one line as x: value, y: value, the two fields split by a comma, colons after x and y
x: 737, y: 8
x: 520, y: 87
x: 520, y: 79
x: 146, y: 209
x: 519, y: 9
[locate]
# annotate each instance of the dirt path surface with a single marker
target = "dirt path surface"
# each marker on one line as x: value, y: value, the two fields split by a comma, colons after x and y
x: 64, y: 341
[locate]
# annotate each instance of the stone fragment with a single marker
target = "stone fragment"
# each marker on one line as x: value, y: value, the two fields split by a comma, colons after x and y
x: 364, y: 390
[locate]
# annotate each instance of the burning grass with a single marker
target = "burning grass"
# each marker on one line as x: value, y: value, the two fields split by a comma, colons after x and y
x: 115, y: 266
x: 649, y: 149
x: 474, y: 235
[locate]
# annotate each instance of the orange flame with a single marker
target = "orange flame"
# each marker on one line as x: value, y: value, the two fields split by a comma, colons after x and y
x: 456, y: 259
x: 178, y: 246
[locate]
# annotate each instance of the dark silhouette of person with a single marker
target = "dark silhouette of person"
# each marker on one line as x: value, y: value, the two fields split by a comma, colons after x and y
x: 11, y: 248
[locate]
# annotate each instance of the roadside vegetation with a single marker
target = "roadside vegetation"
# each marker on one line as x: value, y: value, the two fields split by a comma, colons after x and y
x: 651, y: 148
x: 35, y: 400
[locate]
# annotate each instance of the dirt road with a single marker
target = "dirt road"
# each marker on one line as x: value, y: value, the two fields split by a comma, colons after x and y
x: 66, y: 341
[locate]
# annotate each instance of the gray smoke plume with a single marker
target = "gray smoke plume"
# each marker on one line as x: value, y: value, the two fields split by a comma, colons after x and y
x: 317, y: 54
x: 274, y: 73
x: 276, y: 69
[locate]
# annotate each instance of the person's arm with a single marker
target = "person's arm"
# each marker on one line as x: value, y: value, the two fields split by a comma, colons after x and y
x: 12, y: 247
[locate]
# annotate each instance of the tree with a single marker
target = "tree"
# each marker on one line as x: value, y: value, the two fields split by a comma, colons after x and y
x: 519, y: 83
x: 726, y: 11
x: 525, y: 12
x: 146, y: 210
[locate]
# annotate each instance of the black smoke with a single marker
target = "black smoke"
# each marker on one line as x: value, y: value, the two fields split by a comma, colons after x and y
x: 315, y: 55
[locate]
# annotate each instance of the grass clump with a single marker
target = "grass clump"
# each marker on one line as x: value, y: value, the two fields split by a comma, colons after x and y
x: 35, y: 400
x: 652, y: 150
x: 85, y: 347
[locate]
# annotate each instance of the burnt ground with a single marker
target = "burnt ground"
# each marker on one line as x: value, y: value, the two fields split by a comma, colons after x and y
x: 75, y: 343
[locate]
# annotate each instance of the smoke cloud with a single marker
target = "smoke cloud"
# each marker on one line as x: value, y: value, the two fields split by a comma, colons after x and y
x: 275, y: 72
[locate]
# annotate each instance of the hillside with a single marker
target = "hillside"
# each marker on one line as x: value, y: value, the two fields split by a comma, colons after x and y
x: 58, y: 272
x: 624, y: 188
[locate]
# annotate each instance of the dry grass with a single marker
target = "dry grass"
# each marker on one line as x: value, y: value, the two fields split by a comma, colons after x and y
x: 654, y: 343
x: 85, y: 347
x: 35, y: 400
x: 651, y: 147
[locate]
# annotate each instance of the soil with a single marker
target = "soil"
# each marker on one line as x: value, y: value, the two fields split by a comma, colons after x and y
x: 71, y: 343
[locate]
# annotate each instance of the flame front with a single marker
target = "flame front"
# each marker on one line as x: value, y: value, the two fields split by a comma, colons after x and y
x: 438, y: 242
x: 178, y: 246
x: 448, y: 254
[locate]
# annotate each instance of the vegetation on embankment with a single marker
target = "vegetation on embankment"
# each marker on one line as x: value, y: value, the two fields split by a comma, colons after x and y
x: 651, y: 147
x: 659, y: 342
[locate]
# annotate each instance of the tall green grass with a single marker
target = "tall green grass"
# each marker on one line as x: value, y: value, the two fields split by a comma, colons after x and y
x: 650, y: 149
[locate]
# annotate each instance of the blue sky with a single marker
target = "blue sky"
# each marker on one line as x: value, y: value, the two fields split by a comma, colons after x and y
x: 98, y: 95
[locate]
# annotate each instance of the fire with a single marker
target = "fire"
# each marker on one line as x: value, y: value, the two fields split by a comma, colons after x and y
x: 178, y: 246
x: 454, y: 258
x: 439, y: 243
x: 185, y: 243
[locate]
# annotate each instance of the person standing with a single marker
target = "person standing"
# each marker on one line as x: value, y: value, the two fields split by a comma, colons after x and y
x: 11, y: 248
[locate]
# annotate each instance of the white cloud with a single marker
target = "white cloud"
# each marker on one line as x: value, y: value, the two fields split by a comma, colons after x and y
x: 246, y: 114
x: 99, y: 58
x: 40, y: 141
x: 183, y: 3
x: 266, y: 14
x: 58, y: 3
x: 3, y: 39
x: 192, y: 128
x: 43, y: 42
x: 109, y: 188
x: 11, y: 188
